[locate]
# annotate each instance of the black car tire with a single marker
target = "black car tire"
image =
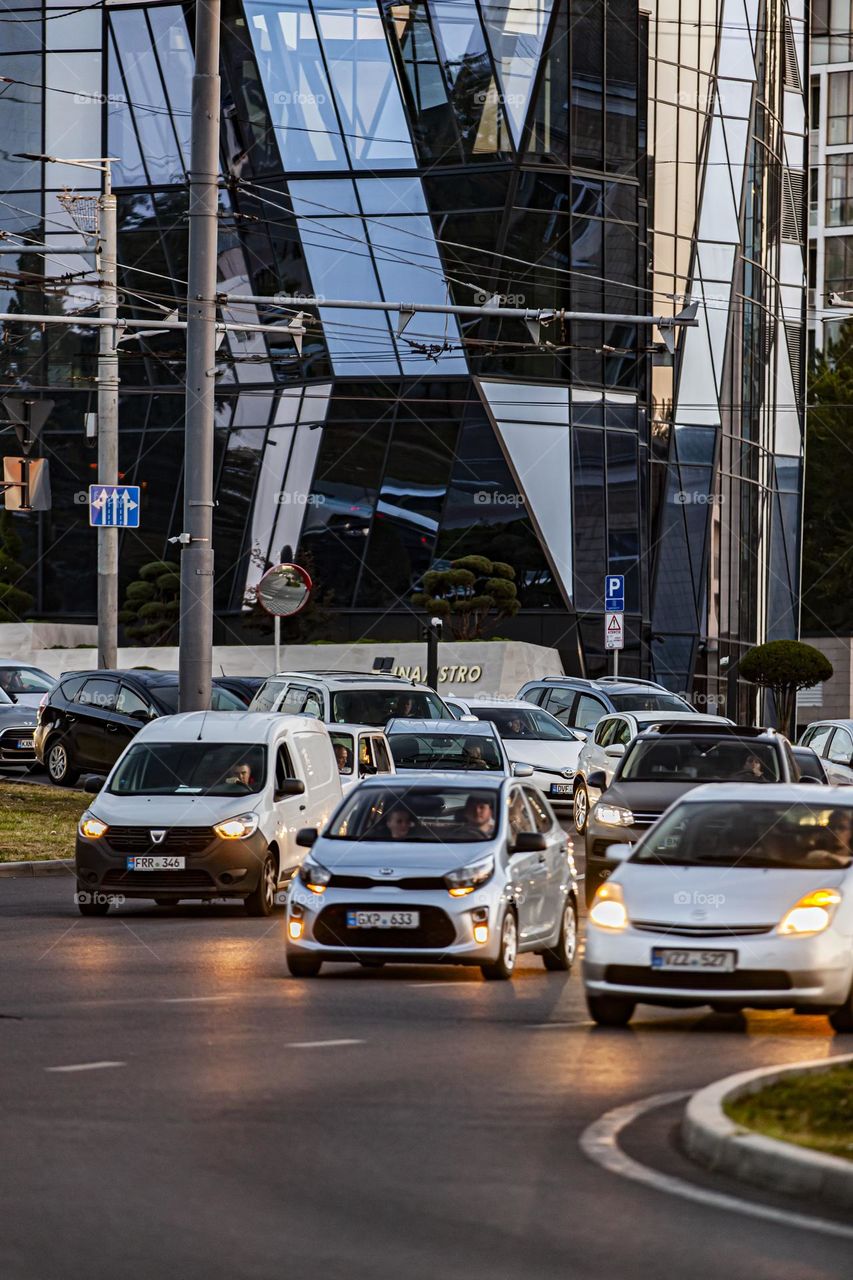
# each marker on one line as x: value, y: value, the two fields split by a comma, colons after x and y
x: 841, y: 1019
x: 560, y: 959
x: 502, y: 969
x: 610, y: 1011
x: 88, y: 905
x: 57, y: 759
x: 261, y: 901
x: 580, y: 808
x: 304, y: 966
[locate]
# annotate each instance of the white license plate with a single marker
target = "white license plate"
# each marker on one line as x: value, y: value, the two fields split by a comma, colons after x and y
x: 561, y: 788
x: 669, y: 958
x: 25, y: 744
x: 383, y: 919
x: 156, y: 864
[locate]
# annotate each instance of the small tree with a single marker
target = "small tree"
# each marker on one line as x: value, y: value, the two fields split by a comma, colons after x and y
x: 472, y: 596
x: 784, y: 666
x: 15, y: 603
x: 151, y: 604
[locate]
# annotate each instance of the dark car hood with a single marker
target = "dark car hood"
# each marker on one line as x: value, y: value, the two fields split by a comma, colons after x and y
x: 17, y: 716
x: 647, y: 797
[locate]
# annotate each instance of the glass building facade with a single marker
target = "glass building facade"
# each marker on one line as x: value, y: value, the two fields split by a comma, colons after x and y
x: 542, y: 152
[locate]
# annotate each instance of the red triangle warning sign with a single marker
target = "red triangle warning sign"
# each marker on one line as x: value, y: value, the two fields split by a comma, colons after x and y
x: 614, y: 624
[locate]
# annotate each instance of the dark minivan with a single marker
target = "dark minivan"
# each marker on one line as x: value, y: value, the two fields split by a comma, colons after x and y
x: 89, y: 717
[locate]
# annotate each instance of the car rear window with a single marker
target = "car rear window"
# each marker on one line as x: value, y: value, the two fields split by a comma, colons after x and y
x: 649, y: 702
x: 702, y: 760
x: 378, y: 706
x: 445, y: 751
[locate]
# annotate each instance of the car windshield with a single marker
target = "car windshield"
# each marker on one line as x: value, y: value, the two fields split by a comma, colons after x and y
x: 700, y: 760
x: 422, y: 814
x: 378, y: 706
x: 220, y: 699
x: 513, y: 724
x: 24, y: 680
x: 190, y: 769
x: 650, y: 701
x: 776, y: 834
x: 445, y: 751
x: 342, y: 745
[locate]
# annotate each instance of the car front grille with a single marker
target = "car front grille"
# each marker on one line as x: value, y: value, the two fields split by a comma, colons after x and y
x: 435, y: 930
x: 645, y: 818
x: 635, y: 975
x: 368, y: 882
x: 702, y: 930
x: 157, y: 881
x: 177, y: 840
x: 9, y: 739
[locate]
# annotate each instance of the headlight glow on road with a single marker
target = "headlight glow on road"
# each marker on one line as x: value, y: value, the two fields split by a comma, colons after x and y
x: 812, y: 914
x: 608, y: 908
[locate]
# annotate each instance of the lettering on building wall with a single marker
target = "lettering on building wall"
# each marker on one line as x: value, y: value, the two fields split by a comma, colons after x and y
x: 446, y: 675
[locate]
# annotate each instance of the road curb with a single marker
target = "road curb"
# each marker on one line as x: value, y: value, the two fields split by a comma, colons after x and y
x: 47, y: 867
x: 713, y: 1140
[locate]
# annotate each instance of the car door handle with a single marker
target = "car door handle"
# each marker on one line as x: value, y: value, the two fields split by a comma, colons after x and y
x: 542, y: 859
x: 112, y: 728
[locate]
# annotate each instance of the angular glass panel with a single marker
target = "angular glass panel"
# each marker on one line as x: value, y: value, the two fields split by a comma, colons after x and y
x: 366, y: 90
x: 299, y: 96
x: 391, y: 195
x: 172, y: 44
x: 516, y: 30
x: 623, y: 514
x: 587, y: 81
x: 128, y: 169
x: 695, y: 444
x: 142, y: 77
x: 468, y: 69
x: 22, y: 121
x: 433, y: 121
x: 589, y: 518
x: 549, y: 127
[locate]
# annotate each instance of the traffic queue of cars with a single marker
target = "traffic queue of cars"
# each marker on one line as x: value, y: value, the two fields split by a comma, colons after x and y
x: 400, y: 827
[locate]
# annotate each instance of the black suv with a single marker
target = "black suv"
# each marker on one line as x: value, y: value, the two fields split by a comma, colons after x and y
x: 660, y: 766
x: 89, y: 717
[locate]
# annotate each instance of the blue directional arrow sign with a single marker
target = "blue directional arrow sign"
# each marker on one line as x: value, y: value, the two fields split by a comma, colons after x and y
x: 114, y: 506
x: 614, y: 593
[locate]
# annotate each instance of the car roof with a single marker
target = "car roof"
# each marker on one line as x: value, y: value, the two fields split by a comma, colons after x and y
x: 471, y: 728
x: 26, y: 666
x: 347, y: 678
x: 226, y: 726
x: 352, y: 726
x: 512, y: 704
x: 427, y: 777
x: 676, y: 717
x: 839, y: 724
x: 753, y: 792
x: 708, y: 729
x: 154, y: 678
x: 607, y: 684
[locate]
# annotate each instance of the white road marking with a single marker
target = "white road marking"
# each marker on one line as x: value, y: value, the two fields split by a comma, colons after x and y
x: 192, y: 999
x: 600, y: 1143
x: 321, y: 1044
x: 87, y: 1066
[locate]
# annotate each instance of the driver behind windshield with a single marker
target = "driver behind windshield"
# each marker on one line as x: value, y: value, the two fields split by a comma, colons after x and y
x: 752, y: 769
x: 241, y: 773
x: 479, y: 815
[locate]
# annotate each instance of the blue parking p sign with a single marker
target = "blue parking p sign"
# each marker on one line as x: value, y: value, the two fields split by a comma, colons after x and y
x: 614, y: 593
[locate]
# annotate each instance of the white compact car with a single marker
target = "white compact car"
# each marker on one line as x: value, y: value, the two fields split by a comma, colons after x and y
x: 360, y: 752
x: 206, y: 805
x: 740, y: 896
x: 531, y: 736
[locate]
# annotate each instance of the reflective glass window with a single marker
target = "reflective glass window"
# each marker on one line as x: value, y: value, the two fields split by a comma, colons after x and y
x: 135, y: 52
x: 172, y: 45
x: 623, y: 513
x: 480, y: 117
x: 587, y: 85
x: 589, y: 518
x: 839, y: 191
x: 516, y: 30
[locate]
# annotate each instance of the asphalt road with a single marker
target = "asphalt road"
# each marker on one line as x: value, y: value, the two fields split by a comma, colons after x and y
x: 400, y: 1124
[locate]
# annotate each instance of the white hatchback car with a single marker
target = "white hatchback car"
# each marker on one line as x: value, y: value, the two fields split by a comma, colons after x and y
x: 360, y: 752
x: 740, y: 896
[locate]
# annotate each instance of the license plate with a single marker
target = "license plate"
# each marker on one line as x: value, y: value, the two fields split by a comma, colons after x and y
x: 156, y: 864
x: 561, y: 788
x: 25, y: 744
x: 383, y: 919
x: 668, y: 958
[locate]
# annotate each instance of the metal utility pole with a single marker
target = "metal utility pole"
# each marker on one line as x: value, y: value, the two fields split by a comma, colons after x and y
x: 108, y: 381
x: 196, y: 627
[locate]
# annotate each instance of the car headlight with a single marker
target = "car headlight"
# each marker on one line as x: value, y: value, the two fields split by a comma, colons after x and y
x: 245, y: 824
x: 613, y: 815
x: 314, y: 876
x: 812, y: 914
x: 608, y: 907
x: 465, y: 880
x: 90, y: 826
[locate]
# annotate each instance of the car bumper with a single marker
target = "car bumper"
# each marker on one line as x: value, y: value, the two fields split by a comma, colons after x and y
x: 770, y: 971
x: 445, y: 934
x: 10, y: 750
x: 226, y: 868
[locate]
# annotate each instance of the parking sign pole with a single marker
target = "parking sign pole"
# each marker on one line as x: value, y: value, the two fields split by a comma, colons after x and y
x: 108, y: 382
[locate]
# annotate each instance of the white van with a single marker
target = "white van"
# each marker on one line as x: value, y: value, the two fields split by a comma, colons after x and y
x: 206, y: 805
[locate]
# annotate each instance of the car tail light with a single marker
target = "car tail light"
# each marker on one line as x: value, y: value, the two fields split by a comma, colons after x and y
x: 41, y: 707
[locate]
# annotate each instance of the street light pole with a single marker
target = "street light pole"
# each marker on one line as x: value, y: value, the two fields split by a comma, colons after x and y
x: 196, y: 626
x: 108, y: 382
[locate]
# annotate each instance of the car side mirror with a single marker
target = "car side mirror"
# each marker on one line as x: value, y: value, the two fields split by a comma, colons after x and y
x: 142, y: 716
x: 520, y: 770
x: 619, y: 852
x: 581, y: 735
x: 616, y: 751
x: 306, y: 836
x: 289, y: 787
x: 92, y: 785
x: 13, y: 697
x: 529, y: 842
x: 597, y: 779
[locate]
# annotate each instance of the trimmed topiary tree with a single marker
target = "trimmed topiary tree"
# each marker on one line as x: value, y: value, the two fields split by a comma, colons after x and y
x: 15, y: 603
x: 783, y: 667
x: 472, y: 596
x: 151, y: 604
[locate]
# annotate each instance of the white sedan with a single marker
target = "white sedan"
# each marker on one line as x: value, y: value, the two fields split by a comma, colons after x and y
x: 531, y: 736
x: 740, y: 896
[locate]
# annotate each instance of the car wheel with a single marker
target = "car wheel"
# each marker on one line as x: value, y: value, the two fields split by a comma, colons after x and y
x: 581, y: 808
x: 58, y: 763
x: 261, y: 900
x: 610, y: 1011
x: 562, y: 957
x: 89, y: 904
x: 304, y: 966
x: 502, y: 969
x: 841, y: 1019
